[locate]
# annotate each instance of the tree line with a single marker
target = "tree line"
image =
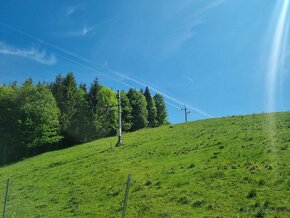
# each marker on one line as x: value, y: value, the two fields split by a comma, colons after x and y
x: 35, y: 118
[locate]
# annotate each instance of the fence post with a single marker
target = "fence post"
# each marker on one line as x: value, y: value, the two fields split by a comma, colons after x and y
x: 6, y: 198
x: 126, y: 196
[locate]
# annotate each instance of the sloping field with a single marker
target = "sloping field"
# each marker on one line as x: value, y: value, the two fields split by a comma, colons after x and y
x: 226, y: 167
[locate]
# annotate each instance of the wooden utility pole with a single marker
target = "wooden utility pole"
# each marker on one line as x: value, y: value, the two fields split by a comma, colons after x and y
x: 186, y: 112
x: 113, y: 107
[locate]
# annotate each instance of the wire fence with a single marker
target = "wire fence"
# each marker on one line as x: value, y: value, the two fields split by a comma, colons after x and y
x: 5, y: 191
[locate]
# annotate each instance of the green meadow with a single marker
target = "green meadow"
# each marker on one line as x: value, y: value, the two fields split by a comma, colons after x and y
x: 226, y: 167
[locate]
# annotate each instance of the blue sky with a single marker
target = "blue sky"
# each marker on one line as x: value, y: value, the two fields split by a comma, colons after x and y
x: 210, y: 55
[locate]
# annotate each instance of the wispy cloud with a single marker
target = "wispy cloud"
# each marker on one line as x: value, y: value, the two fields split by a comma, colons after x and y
x: 72, y: 9
x: 213, y: 4
x: 187, y: 28
x: 86, y: 30
x: 189, y: 79
x: 32, y: 53
x: 118, y: 77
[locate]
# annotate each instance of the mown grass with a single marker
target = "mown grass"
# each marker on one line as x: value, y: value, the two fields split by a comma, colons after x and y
x: 226, y: 167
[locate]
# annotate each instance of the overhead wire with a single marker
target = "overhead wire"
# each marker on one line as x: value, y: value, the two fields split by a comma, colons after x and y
x: 81, y: 58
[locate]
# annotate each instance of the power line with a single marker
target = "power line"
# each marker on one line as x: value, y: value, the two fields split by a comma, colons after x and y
x: 106, y: 68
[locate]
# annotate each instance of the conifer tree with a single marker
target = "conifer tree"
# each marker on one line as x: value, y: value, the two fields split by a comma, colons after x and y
x: 151, y: 108
x: 65, y: 92
x: 93, y: 95
x: 80, y: 123
x: 126, y: 112
x: 161, y: 110
x: 139, y: 109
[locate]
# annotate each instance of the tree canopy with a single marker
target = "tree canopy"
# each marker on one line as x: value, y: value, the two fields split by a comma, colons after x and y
x: 139, y: 109
x: 151, y: 108
x: 39, y: 117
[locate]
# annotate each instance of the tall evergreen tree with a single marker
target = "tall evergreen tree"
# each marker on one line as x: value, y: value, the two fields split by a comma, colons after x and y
x: 83, y: 86
x: 93, y: 95
x: 126, y: 112
x: 161, y: 110
x: 65, y: 92
x: 80, y: 121
x: 151, y: 108
x: 139, y: 110
x: 94, y: 89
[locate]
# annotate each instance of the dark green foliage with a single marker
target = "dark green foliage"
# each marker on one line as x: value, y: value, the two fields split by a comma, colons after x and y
x: 151, y: 108
x: 161, y: 110
x: 68, y: 105
x: 126, y: 112
x: 66, y: 94
x: 92, y: 99
x: 29, y: 119
x: 42, y: 117
x: 139, y: 109
x: 93, y: 95
x: 83, y: 86
x: 80, y: 125
x: 9, y: 142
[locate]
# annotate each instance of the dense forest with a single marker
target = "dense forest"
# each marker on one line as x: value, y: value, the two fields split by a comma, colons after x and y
x: 46, y: 116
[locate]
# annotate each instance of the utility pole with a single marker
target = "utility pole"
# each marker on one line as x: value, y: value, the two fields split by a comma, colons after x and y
x: 112, y: 107
x: 119, y: 132
x: 186, y: 112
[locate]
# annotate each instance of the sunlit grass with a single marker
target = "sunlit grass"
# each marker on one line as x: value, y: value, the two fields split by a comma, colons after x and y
x: 223, y: 167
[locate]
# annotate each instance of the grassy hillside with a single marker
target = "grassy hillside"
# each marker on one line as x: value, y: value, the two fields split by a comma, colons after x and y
x: 227, y: 167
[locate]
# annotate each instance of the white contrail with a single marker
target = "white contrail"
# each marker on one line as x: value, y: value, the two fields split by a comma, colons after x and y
x: 277, y: 56
x: 81, y: 58
x: 204, y: 114
x: 109, y: 77
x: 65, y: 51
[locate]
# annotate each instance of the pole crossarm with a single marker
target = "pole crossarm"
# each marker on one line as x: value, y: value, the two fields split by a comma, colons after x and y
x: 186, y: 112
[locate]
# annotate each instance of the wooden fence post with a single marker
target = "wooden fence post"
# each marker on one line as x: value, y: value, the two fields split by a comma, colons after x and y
x: 6, y: 198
